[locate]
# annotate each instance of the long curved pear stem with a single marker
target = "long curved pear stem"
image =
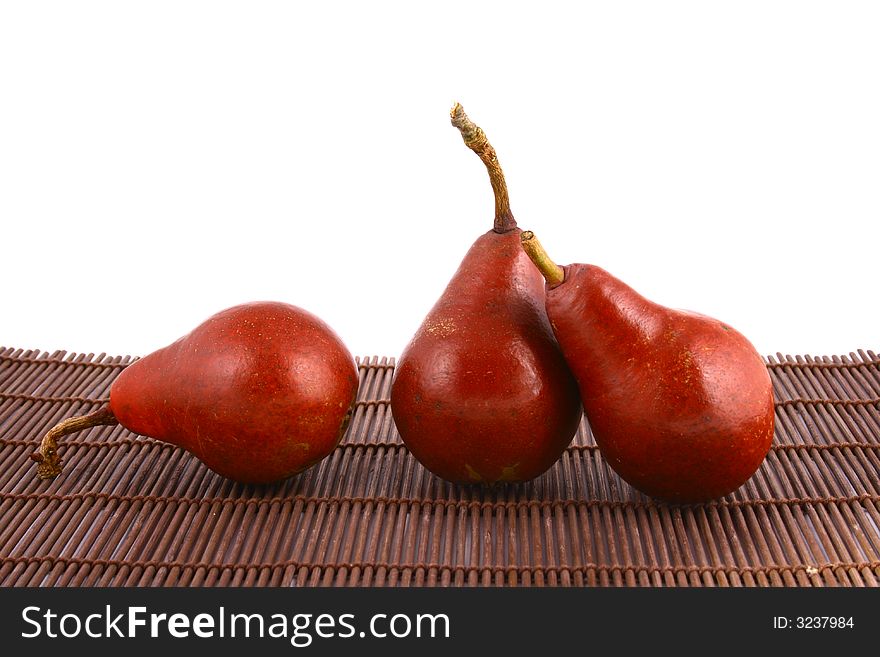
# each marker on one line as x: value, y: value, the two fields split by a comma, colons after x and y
x: 48, y: 461
x: 475, y: 139
x: 553, y: 273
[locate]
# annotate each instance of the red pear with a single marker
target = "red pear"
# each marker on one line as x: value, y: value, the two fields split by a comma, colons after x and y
x: 258, y: 392
x: 680, y: 404
x: 481, y: 394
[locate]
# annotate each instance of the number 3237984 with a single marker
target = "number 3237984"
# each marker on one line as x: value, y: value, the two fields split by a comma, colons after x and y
x: 813, y: 622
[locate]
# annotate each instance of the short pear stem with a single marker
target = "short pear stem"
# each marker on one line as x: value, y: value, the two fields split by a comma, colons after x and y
x: 553, y: 273
x: 475, y: 139
x: 48, y: 461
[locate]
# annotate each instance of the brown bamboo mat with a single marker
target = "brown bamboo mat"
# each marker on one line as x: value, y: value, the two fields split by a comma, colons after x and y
x: 131, y: 511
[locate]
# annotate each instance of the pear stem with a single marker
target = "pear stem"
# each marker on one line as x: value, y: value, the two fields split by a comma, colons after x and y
x: 475, y: 139
x: 48, y: 461
x: 553, y: 273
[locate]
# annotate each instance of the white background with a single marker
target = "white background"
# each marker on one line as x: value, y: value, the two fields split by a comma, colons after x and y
x: 160, y: 161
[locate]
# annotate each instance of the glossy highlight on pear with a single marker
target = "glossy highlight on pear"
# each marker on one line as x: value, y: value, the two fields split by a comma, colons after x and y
x: 680, y: 404
x: 257, y: 392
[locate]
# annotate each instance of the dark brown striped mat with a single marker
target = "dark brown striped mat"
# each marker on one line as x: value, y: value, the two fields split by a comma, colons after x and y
x: 132, y: 511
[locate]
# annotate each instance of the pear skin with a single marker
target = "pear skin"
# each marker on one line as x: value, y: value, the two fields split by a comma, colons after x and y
x: 680, y: 404
x: 482, y: 394
x: 257, y: 392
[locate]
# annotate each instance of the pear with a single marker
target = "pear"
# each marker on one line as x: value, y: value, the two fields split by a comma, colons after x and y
x: 258, y: 393
x: 482, y: 394
x: 680, y: 404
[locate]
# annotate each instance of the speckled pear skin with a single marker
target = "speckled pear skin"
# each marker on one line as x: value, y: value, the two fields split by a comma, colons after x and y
x: 258, y: 392
x: 481, y: 394
x: 680, y: 404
